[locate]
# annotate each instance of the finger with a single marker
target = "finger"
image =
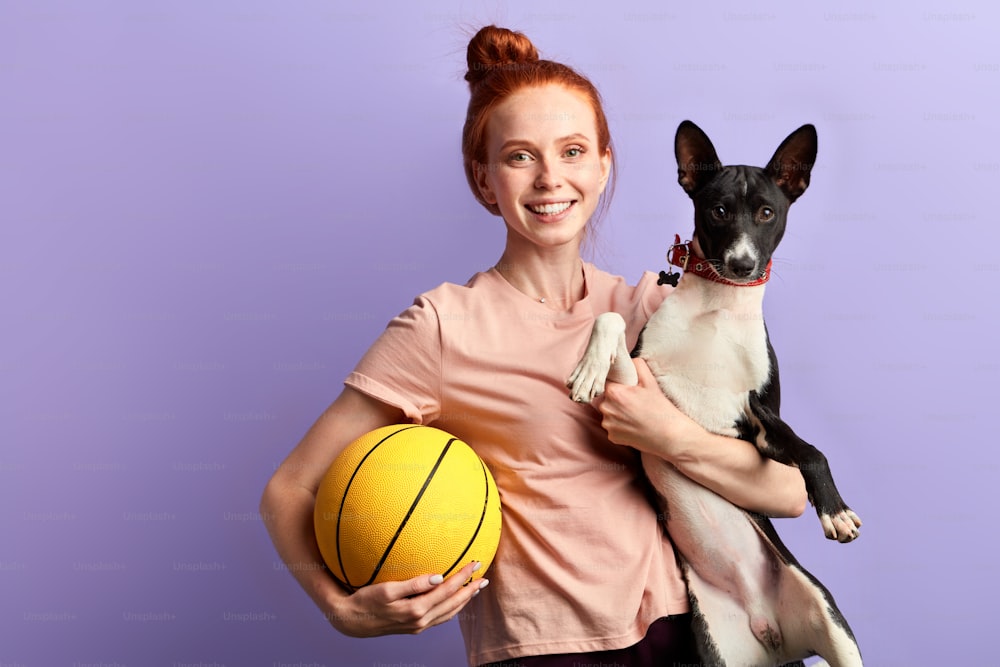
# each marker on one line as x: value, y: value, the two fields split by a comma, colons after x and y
x: 391, y: 591
x: 462, y: 585
x: 434, y: 587
x: 452, y: 605
x: 442, y: 602
x: 608, y: 408
x: 642, y: 369
x: 459, y: 580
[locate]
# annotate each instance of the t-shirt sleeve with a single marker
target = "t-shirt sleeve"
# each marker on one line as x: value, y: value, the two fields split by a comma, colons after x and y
x: 651, y: 295
x: 403, y: 367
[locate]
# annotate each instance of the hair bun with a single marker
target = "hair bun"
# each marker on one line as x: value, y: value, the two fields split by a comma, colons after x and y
x: 492, y: 48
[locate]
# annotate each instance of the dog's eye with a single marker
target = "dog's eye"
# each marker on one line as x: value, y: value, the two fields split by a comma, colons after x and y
x: 765, y: 214
x: 719, y: 212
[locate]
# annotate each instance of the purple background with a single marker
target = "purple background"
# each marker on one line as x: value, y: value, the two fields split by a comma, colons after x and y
x: 210, y: 209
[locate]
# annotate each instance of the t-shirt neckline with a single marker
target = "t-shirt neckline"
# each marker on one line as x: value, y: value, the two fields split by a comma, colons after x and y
x: 579, y: 309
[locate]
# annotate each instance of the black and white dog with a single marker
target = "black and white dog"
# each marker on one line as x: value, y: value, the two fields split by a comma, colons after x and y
x: 708, y: 348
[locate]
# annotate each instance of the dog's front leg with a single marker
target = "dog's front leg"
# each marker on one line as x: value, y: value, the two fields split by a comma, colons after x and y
x: 606, y: 358
x: 776, y: 439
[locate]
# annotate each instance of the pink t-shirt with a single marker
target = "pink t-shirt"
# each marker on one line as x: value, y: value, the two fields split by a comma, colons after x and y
x: 583, y: 564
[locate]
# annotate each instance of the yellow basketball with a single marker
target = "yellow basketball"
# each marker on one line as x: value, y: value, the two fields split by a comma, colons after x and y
x: 403, y: 501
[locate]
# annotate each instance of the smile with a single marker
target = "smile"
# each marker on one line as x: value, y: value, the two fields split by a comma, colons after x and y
x: 549, y: 209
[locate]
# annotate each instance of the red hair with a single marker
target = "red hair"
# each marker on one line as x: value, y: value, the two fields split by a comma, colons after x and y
x: 501, y: 62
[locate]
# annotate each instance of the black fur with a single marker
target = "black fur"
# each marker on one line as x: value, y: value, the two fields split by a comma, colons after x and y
x: 752, y: 203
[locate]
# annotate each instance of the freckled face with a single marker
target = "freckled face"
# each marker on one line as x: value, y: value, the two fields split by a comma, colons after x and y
x: 545, y: 171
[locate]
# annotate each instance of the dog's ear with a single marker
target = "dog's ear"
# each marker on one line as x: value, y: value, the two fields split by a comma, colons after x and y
x: 697, y: 162
x: 793, y: 161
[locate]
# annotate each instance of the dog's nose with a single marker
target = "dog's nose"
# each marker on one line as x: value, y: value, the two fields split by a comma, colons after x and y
x: 742, y: 267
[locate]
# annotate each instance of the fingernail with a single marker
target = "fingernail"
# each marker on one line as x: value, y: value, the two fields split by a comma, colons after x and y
x: 484, y: 583
x: 475, y: 568
x: 436, y: 579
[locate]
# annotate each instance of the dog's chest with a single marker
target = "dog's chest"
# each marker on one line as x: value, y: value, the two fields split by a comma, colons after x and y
x: 707, y: 347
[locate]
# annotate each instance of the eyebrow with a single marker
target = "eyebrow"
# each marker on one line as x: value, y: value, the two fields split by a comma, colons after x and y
x: 561, y: 140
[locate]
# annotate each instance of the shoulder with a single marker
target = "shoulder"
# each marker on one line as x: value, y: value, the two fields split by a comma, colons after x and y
x: 449, y: 294
x: 618, y: 294
x: 600, y: 278
x: 450, y: 302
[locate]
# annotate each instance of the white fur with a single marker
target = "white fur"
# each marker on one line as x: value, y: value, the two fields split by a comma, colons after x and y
x: 707, y: 347
x: 606, y: 358
x: 747, y: 593
x: 742, y: 248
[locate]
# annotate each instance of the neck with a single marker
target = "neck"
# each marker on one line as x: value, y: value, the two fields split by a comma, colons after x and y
x: 553, y: 276
x: 689, y: 257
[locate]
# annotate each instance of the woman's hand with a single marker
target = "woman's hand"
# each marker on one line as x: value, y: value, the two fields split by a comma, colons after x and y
x: 287, y: 506
x: 643, y: 417
x: 404, y: 607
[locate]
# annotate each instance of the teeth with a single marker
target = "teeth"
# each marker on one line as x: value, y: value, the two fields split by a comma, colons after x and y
x: 551, y: 209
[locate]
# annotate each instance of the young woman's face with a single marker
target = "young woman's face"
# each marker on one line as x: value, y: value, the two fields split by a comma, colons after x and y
x: 545, y: 171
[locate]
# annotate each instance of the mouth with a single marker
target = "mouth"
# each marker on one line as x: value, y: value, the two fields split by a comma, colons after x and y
x: 551, y: 210
x: 740, y: 279
x: 743, y: 274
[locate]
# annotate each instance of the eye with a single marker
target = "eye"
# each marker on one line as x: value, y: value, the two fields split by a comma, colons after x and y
x: 765, y: 214
x: 719, y: 212
x: 519, y: 157
x: 574, y: 151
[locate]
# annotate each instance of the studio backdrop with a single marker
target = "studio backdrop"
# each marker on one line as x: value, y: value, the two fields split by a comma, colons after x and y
x: 209, y: 210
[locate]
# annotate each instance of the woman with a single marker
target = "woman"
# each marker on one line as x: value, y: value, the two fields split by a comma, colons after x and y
x: 584, y: 571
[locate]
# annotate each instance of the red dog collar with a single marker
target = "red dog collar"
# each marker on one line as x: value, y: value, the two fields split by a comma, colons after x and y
x: 680, y: 255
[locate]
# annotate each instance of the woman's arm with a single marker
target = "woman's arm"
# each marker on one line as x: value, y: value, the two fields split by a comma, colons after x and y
x: 642, y: 417
x: 287, y: 504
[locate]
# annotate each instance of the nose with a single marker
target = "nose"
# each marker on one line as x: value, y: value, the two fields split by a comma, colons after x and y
x: 742, y: 266
x: 548, y: 177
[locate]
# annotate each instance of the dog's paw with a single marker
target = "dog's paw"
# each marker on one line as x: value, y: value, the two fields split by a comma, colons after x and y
x: 841, y: 526
x: 607, y: 343
x: 588, y: 378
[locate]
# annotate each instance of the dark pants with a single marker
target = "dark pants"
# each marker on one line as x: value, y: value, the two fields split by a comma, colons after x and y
x: 668, y: 643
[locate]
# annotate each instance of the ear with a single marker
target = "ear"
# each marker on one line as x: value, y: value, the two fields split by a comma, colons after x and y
x: 697, y: 162
x: 605, y: 161
x: 481, y: 172
x: 793, y: 161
